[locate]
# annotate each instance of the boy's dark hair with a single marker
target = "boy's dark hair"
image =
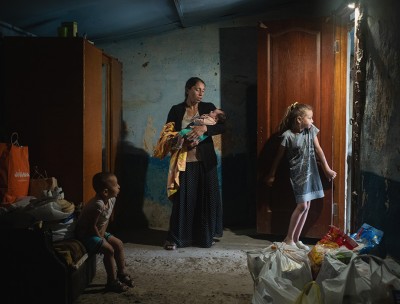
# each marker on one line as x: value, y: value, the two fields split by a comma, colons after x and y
x: 100, y: 181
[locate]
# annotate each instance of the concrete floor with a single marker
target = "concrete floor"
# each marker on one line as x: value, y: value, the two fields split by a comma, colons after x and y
x: 233, y: 238
x: 187, y: 275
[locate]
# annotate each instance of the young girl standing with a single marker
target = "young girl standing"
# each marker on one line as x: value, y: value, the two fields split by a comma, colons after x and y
x: 300, y: 143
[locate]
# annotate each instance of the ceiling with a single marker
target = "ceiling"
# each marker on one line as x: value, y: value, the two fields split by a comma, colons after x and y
x: 106, y: 20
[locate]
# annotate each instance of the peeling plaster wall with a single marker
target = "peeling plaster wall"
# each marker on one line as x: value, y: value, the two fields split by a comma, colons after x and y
x: 155, y: 70
x: 224, y: 55
x: 154, y: 73
x: 380, y: 137
x: 380, y: 148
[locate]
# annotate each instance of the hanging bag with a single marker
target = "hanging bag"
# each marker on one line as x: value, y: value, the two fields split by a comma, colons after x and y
x: 14, y: 170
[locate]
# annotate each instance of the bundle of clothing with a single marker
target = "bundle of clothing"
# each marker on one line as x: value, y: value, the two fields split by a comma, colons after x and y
x: 177, y: 162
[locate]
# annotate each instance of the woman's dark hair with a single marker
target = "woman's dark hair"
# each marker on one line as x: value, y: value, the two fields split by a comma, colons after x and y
x: 192, y: 82
x: 100, y: 181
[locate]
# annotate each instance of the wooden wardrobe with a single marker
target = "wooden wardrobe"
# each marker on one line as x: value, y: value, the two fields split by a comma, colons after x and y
x: 63, y: 96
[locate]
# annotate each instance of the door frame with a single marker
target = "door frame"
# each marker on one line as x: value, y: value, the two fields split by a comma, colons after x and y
x: 342, y: 23
x: 340, y: 117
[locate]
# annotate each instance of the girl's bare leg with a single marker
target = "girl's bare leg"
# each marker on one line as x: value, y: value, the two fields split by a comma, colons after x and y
x: 294, y: 222
x: 301, y: 222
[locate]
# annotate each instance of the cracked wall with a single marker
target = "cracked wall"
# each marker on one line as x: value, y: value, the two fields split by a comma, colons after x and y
x: 380, y: 136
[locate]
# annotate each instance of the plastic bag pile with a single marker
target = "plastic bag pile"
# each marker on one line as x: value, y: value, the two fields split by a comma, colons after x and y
x: 338, y: 269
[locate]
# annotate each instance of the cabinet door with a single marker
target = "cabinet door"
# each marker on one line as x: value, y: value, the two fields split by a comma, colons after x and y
x: 111, y: 110
x: 52, y: 93
x: 92, y: 118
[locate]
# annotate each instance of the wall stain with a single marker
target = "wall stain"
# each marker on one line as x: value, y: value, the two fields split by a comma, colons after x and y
x: 149, y: 135
x: 157, y: 215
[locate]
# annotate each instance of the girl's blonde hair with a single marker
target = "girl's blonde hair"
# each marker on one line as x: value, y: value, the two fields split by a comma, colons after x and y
x: 292, y: 112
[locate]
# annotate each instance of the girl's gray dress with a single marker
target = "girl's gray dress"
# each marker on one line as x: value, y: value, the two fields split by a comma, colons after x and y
x: 304, y: 175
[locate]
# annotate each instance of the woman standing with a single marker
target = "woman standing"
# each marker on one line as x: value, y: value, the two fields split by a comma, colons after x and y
x: 196, y: 216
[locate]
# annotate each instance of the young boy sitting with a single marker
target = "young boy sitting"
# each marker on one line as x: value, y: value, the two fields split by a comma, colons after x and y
x: 91, y: 231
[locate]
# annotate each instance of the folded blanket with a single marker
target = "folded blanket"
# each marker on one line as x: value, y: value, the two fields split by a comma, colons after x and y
x: 163, y: 146
x: 178, y: 157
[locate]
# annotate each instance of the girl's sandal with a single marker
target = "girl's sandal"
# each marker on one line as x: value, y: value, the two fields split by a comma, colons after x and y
x: 126, y: 279
x: 116, y: 286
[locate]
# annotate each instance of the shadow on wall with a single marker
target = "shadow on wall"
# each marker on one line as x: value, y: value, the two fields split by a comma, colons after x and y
x: 279, y: 201
x: 238, y: 169
x: 239, y: 100
x: 130, y: 167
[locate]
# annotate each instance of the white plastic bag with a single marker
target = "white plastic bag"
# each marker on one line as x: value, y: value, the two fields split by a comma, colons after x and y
x: 363, y: 282
x: 273, y: 289
x: 48, y: 209
x: 331, y: 266
x: 281, y: 279
x: 256, y: 260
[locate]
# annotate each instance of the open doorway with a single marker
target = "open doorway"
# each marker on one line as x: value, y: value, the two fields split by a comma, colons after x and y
x: 343, y: 139
x: 337, y: 112
x: 349, y: 115
x: 296, y: 62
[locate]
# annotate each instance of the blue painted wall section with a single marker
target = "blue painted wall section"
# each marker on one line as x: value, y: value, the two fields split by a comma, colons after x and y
x: 155, y: 70
x: 159, y: 170
x: 381, y: 209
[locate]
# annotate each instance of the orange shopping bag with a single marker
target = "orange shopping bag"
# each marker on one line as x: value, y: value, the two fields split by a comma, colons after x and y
x: 14, y: 170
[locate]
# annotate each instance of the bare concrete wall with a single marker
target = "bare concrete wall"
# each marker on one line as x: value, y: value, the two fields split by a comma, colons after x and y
x: 155, y: 70
x: 223, y: 54
x: 154, y: 73
x: 380, y: 149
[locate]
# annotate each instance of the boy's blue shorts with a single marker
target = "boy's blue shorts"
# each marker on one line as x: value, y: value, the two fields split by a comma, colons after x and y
x: 93, y: 243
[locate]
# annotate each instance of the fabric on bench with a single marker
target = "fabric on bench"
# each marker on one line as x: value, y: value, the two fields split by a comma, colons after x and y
x: 72, y: 251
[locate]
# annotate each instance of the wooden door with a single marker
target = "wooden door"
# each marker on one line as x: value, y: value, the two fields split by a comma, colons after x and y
x: 295, y: 64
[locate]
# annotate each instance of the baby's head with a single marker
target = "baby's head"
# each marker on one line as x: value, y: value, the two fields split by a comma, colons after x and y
x: 218, y: 115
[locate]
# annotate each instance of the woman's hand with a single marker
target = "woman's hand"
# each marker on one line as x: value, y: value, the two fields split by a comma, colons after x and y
x: 196, y: 132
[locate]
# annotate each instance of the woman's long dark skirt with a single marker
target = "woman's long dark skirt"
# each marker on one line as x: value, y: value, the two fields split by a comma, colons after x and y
x: 196, y: 216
